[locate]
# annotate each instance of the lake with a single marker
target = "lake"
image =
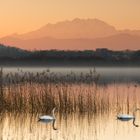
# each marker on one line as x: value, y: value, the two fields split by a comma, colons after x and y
x: 88, y: 112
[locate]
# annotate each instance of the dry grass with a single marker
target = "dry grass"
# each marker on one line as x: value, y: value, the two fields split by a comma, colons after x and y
x: 40, y: 92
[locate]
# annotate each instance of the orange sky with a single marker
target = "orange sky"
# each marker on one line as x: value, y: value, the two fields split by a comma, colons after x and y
x: 25, y: 15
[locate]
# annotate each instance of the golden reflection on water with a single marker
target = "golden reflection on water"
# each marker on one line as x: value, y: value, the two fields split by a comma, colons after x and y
x: 74, y: 127
x: 102, y: 126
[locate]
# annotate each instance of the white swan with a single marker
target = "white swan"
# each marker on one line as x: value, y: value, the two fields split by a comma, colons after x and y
x: 126, y: 117
x: 47, y: 119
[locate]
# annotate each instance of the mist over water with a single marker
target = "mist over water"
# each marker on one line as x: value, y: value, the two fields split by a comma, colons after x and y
x: 107, y: 74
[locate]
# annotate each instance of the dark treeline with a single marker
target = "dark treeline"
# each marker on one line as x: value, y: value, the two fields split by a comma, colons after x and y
x: 99, y: 56
x: 12, y: 52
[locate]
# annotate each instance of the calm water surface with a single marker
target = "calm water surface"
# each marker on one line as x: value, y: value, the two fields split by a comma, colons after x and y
x: 74, y: 126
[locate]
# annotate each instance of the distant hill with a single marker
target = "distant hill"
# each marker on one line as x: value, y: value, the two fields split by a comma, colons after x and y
x: 75, y: 35
x: 115, y: 42
x: 119, y: 42
x: 131, y: 32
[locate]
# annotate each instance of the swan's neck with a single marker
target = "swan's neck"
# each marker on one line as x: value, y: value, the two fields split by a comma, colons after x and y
x: 134, y: 123
x: 134, y: 114
x: 53, y: 125
x: 53, y: 114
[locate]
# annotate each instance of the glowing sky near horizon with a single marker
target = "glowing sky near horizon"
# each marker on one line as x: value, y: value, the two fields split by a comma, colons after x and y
x: 19, y: 16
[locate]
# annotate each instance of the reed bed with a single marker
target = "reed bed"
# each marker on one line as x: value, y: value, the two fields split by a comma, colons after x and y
x: 40, y: 92
x: 47, y: 76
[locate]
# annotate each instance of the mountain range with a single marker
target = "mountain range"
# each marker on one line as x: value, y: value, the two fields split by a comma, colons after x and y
x: 77, y: 34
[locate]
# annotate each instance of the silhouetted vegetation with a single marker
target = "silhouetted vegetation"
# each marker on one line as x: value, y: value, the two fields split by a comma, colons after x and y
x: 12, y: 52
x: 68, y: 57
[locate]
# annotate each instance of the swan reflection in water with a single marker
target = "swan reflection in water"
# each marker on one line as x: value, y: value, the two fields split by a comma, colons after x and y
x: 126, y: 117
x: 49, y: 119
